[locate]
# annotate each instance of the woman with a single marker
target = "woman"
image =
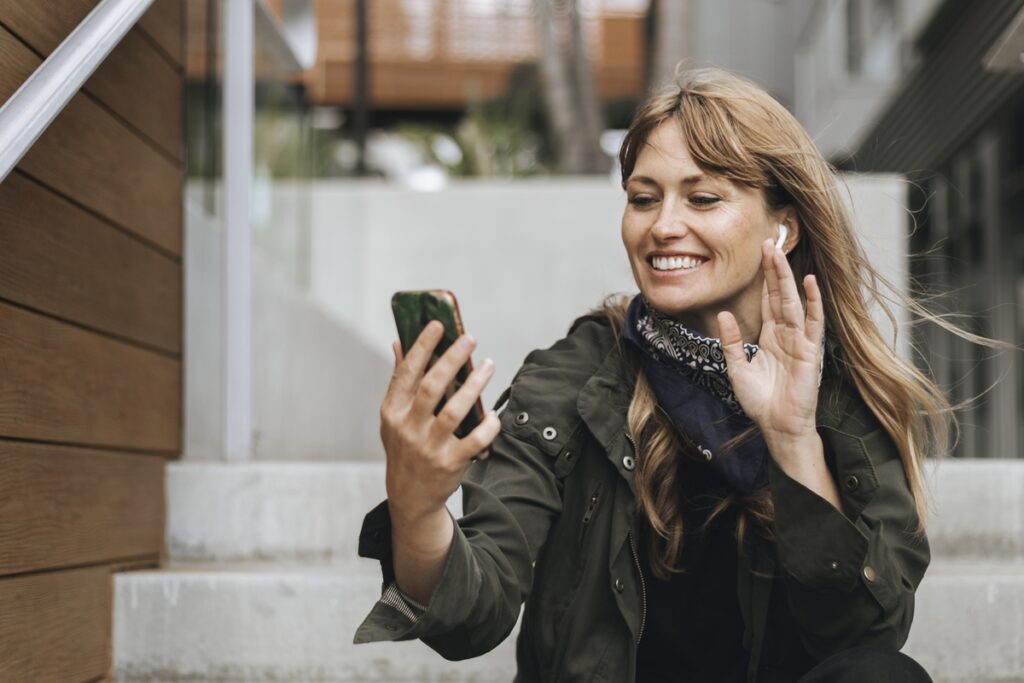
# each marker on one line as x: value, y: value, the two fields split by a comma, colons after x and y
x: 673, y: 507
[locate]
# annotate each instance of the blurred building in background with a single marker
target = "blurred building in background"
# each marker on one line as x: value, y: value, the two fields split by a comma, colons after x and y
x: 953, y: 123
x: 934, y: 90
x: 442, y: 55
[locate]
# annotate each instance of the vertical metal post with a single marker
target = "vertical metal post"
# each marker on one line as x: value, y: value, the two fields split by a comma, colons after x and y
x: 238, y: 171
x: 999, y: 258
x: 361, y: 94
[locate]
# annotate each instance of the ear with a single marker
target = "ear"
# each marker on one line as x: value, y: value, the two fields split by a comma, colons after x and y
x: 788, y: 218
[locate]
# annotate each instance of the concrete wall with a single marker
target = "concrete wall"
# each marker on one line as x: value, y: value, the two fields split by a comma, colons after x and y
x: 877, y: 205
x: 316, y: 384
x: 524, y: 258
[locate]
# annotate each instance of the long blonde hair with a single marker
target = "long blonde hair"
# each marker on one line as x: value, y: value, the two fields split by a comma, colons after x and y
x: 734, y: 129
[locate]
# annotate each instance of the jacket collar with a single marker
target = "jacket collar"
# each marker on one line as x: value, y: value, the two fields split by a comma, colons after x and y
x: 604, y: 399
x: 603, y: 403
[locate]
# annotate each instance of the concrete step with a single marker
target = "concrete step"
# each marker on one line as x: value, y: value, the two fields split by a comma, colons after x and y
x: 292, y: 622
x: 271, y: 510
x: 270, y: 622
x: 978, y: 508
x: 313, y: 511
x: 287, y: 607
x: 969, y: 622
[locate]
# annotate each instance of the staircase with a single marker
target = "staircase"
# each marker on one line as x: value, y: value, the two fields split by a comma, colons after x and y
x: 969, y: 617
x: 263, y: 582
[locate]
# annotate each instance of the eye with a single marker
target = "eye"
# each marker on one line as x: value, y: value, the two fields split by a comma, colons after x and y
x: 704, y: 200
x: 641, y: 201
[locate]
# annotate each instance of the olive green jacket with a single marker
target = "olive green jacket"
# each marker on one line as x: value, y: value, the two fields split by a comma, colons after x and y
x: 549, y: 519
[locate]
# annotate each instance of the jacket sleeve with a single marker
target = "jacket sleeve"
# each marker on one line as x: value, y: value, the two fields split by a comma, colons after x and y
x: 509, y: 500
x: 851, y: 575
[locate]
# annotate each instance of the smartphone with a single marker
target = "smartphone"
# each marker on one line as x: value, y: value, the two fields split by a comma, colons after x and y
x: 412, y: 311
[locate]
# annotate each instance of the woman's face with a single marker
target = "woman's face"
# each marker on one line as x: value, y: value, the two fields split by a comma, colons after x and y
x: 694, y: 240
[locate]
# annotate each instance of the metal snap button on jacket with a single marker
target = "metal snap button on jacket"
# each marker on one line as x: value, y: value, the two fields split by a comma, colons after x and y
x: 619, y: 586
x: 522, y: 418
x: 869, y: 573
x: 851, y: 482
x: 549, y: 433
x: 628, y: 462
x: 834, y: 565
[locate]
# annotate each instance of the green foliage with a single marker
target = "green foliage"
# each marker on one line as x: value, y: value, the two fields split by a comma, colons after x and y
x: 502, y: 137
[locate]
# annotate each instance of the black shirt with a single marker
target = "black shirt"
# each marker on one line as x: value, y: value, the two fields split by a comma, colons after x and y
x: 693, y: 631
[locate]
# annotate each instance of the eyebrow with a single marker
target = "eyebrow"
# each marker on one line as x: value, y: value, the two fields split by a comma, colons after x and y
x: 646, y: 180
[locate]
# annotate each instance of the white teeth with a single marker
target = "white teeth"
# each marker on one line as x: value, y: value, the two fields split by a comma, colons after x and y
x: 676, y: 262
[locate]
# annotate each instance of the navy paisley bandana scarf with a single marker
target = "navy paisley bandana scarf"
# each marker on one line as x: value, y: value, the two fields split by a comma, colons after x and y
x: 687, y: 373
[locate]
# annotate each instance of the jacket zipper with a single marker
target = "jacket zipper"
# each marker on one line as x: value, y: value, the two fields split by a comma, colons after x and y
x: 592, y: 506
x: 636, y: 561
x: 643, y: 589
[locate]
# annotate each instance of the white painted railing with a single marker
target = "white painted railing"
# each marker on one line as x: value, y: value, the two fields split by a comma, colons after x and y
x: 35, y: 105
x: 291, y: 44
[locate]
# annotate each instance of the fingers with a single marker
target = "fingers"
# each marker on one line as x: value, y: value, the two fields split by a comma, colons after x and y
x: 783, y: 295
x: 474, y: 443
x: 814, y: 327
x: 766, y: 304
x: 459, y: 405
x: 771, y: 281
x: 408, y: 373
x: 440, y: 376
x: 732, y: 340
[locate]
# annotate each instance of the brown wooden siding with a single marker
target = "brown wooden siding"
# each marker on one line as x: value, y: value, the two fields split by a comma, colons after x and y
x: 55, y: 626
x: 69, y: 385
x: 71, y: 506
x: 163, y: 25
x: 90, y: 338
x: 64, y: 261
x: 140, y: 86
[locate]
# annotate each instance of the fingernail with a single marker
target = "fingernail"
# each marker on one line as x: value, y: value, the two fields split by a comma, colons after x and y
x: 488, y: 364
x: 467, y: 341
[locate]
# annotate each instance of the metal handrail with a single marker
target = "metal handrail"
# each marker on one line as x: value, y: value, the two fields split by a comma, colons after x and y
x: 291, y: 41
x: 31, y: 110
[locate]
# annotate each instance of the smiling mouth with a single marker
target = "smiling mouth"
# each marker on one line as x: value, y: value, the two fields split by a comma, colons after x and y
x: 674, y: 263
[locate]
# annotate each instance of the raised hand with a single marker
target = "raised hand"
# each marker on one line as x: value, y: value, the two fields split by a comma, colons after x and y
x: 425, y: 461
x: 778, y: 389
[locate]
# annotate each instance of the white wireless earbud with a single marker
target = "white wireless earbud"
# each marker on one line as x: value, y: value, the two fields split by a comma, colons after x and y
x: 783, y: 232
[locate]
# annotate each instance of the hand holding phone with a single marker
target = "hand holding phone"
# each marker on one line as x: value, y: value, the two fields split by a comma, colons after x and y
x: 430, y: 404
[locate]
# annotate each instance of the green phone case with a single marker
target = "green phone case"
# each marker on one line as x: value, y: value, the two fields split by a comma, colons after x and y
x: 412, y: 311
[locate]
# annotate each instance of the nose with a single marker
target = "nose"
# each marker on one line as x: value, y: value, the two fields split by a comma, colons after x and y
x: 670, y: 223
